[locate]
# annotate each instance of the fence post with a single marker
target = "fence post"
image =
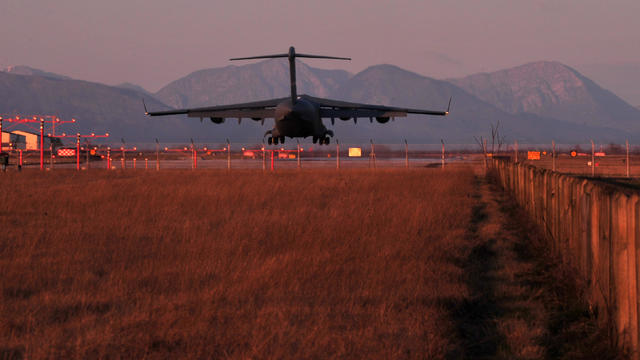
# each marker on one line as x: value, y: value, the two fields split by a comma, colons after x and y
x: 337, y: 154
x: 442, y: 141
x: 406, y: 154
x: 264, y: 160
x: 553, y: 155
x: 484, y: 153
x: 373, y: 153
x: 298, y: 141
x: 628, y: 164
x: 593, y: 159
x: 632, y: 231
x: 619, y: 260
x: 78, y: 151
x: 124, y: 160
x: 228, y: 155
x: 193, y: 156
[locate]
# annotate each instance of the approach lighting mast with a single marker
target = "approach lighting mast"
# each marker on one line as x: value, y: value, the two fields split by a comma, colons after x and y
x: 78, y: 136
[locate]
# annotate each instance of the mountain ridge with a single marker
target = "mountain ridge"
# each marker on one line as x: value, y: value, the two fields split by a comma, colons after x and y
x: 472, y: 114
x: 552, y: 89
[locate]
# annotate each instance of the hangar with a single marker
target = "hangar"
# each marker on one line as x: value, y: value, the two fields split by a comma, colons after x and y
x: 12, y: 141
x: 32, y: 140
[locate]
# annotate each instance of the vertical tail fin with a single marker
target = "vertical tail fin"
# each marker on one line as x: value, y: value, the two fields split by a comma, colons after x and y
x: 292, y: 65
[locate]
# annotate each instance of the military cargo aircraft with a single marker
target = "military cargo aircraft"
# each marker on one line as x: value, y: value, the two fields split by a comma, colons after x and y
x: 298, y: 115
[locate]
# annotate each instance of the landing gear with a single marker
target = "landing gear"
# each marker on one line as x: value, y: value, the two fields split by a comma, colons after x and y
x: 275, y: 140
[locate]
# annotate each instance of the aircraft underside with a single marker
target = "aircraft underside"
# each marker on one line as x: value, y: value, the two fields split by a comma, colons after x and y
x: 298, y: 128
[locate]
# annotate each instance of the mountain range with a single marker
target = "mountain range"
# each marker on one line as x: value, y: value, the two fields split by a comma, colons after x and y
x: 533, y: 103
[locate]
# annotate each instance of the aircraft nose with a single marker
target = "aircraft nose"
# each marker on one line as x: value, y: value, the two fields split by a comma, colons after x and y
x: 283, y: 110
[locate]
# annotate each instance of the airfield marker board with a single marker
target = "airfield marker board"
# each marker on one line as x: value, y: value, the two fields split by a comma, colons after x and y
x: 533, y: 155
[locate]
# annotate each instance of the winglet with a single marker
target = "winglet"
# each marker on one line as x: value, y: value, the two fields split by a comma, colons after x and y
x: 145, y: 107
x: 448, y: 106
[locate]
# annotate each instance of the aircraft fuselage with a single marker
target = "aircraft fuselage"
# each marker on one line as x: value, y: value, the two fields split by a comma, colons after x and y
x: 301, y: 119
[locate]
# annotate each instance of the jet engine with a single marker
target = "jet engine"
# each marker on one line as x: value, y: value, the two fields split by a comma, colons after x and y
x: 217, y: 120
x: 382, y: 119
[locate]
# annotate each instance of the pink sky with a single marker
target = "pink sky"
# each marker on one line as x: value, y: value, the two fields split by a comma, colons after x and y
x: 154, y: 42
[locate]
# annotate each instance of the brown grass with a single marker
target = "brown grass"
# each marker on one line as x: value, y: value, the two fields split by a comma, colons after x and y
x: 212, y: 264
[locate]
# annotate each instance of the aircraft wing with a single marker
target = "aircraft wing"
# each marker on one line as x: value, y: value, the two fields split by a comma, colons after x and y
x: 257, y: 110
x: 342, y: 109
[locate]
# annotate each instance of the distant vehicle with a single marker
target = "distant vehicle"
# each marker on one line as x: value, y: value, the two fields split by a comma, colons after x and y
x: 297, y: 116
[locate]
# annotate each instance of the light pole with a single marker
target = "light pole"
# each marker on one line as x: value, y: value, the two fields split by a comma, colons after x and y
x: 264, y: 158
x: 593, y: 159
x: 337, y: 154
x: 373, y: 153
x: 406, y: 154
x: 553, y: 155
x: 157, y: 155
x: 41, y: 143
x: 628, y: 164
x: 299, y: 165
x: 124, y: 161
x: 228, y: 155
x: 442, y: 141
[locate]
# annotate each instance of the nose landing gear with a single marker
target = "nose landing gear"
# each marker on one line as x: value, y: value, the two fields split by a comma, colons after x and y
x: 275, y: 140
x: 325, y: 139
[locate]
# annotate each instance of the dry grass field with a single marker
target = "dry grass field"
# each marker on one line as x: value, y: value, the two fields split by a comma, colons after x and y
x: 211, y: 264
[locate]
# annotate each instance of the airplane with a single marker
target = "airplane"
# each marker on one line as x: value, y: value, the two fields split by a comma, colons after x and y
x: 297, y: 116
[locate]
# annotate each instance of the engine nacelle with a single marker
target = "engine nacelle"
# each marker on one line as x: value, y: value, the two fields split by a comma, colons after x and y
x: 382, y: 119
x: 256, y: 118
x: 217, y: 120
x: 345, y: 118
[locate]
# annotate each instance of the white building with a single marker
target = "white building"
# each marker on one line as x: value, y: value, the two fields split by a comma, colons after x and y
x: 12, y: 141
x: 32, y: 140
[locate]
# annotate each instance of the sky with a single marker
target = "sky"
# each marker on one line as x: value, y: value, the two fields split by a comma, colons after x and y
x: 151, y: 43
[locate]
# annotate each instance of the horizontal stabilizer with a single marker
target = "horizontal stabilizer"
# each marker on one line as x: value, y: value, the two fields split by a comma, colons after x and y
x: 321, y: 57
x: 261, y: 57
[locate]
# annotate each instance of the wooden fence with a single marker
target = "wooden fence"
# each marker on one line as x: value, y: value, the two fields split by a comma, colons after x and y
x: 593, y: 226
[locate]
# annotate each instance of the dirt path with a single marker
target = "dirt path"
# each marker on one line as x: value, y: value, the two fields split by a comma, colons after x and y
x: 520, y: 306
